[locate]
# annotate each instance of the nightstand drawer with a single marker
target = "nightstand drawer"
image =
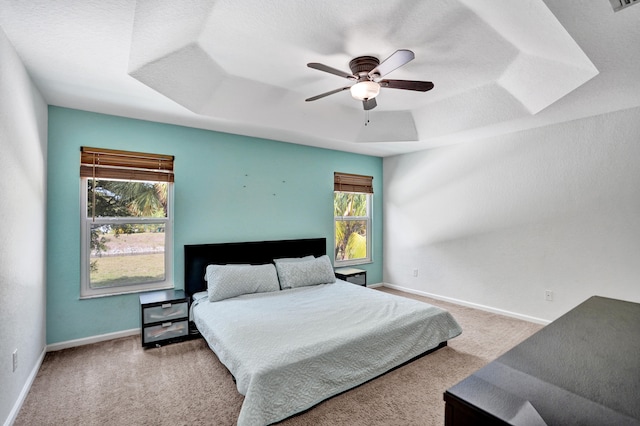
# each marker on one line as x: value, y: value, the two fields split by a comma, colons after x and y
x: 165, y: 312
x: 165, y: 331
x: 352, y: 275
x: 360, y: 279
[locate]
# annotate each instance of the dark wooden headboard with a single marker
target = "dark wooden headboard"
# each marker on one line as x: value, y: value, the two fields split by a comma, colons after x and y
x: 198, y: 256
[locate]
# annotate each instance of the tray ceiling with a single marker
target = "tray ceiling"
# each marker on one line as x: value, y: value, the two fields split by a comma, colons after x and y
x: 240, y: 67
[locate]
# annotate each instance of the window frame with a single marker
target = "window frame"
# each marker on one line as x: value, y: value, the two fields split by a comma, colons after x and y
x: 86, y: 221
x: 369, y: 225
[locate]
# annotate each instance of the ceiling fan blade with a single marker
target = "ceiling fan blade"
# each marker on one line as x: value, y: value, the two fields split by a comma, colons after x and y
x: 396, y: 60
x: 369, y: 104
x: 419, y: 86
x: 322, y: 95
x: 325, y: 68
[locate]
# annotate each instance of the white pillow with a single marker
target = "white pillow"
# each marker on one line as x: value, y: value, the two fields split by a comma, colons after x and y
x: 226, y: 281
x: 206, y: 276
x: 305, y: 272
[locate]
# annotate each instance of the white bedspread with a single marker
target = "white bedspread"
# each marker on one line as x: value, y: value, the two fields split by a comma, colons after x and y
x: 292, y: 349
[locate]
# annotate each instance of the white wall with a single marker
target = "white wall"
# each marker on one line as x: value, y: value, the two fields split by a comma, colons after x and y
x: 23, y: 154
x: 495, y: 222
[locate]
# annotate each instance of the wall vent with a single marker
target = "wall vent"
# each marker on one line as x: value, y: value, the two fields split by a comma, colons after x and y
x: 618, y: 5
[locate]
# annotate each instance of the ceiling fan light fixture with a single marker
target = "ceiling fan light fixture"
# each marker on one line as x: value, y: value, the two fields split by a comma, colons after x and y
x: 365, y: 90
x: 367, y: 74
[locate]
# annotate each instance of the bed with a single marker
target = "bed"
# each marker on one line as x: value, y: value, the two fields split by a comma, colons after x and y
x: 289, y: 349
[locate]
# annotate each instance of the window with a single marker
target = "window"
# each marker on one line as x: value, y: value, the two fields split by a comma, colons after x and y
x: 126, y: 221
x: 352, y: 218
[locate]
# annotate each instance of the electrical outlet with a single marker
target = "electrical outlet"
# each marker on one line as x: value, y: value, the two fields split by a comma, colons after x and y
x: 15, y: 360
x: 415, y: 272
x: 548, y: 295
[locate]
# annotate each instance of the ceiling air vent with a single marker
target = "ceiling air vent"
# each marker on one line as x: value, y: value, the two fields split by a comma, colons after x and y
x: 618, y: 5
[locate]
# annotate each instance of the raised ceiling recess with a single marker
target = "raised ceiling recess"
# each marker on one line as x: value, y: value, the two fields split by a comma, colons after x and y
x: 517, y: 59
x: 498, y: 66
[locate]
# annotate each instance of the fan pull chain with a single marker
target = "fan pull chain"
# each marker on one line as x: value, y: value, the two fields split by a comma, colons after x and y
x: 366, y: 118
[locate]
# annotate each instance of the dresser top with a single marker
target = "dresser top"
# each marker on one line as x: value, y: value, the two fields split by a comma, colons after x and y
x: 583, y: 368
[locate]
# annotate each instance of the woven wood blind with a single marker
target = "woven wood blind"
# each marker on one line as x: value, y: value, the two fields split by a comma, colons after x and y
x: 345, y: 182
x: 113, y: 164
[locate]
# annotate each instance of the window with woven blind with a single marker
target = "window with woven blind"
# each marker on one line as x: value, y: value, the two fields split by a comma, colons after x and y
x: 114, y: 164
x: 345, y: 182
x: 352, y: 200
x: 126, y: 215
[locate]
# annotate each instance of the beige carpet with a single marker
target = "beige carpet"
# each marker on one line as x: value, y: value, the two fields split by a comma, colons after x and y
x: 119, y: 383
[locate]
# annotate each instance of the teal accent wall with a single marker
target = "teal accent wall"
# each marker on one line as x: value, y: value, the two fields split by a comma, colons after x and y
x: 227, y: 188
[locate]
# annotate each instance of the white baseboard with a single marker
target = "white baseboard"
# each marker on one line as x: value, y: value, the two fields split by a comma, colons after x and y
x: 469, y: 304
x: 92, y: 339
x: 25, y: 390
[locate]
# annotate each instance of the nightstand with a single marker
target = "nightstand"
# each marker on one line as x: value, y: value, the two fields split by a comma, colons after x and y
x: 164, y: 317
x: 352, y: 275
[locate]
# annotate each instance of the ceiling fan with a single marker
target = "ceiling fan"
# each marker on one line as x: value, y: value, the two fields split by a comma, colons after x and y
x: 367, y: 72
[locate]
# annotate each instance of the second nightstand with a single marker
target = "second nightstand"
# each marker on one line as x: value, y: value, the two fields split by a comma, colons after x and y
x: 352, y: 275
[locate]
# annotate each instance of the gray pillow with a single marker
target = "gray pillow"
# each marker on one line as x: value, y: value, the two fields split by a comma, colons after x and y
x: 226, y: 281
x: 305, y: 272
x: 206, y: 276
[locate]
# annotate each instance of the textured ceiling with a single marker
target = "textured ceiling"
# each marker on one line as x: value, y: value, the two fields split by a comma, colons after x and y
x: 240, y: 66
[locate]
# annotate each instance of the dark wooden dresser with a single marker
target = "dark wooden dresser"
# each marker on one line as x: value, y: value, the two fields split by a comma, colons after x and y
x: 582, y: 369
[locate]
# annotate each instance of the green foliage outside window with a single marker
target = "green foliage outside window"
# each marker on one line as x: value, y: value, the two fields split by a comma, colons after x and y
x: 351, y: 221
x: 113, y: 245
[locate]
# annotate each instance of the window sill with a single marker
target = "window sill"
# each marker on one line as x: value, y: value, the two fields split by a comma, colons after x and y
x: 124, y: 291
x: 344, y: 263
